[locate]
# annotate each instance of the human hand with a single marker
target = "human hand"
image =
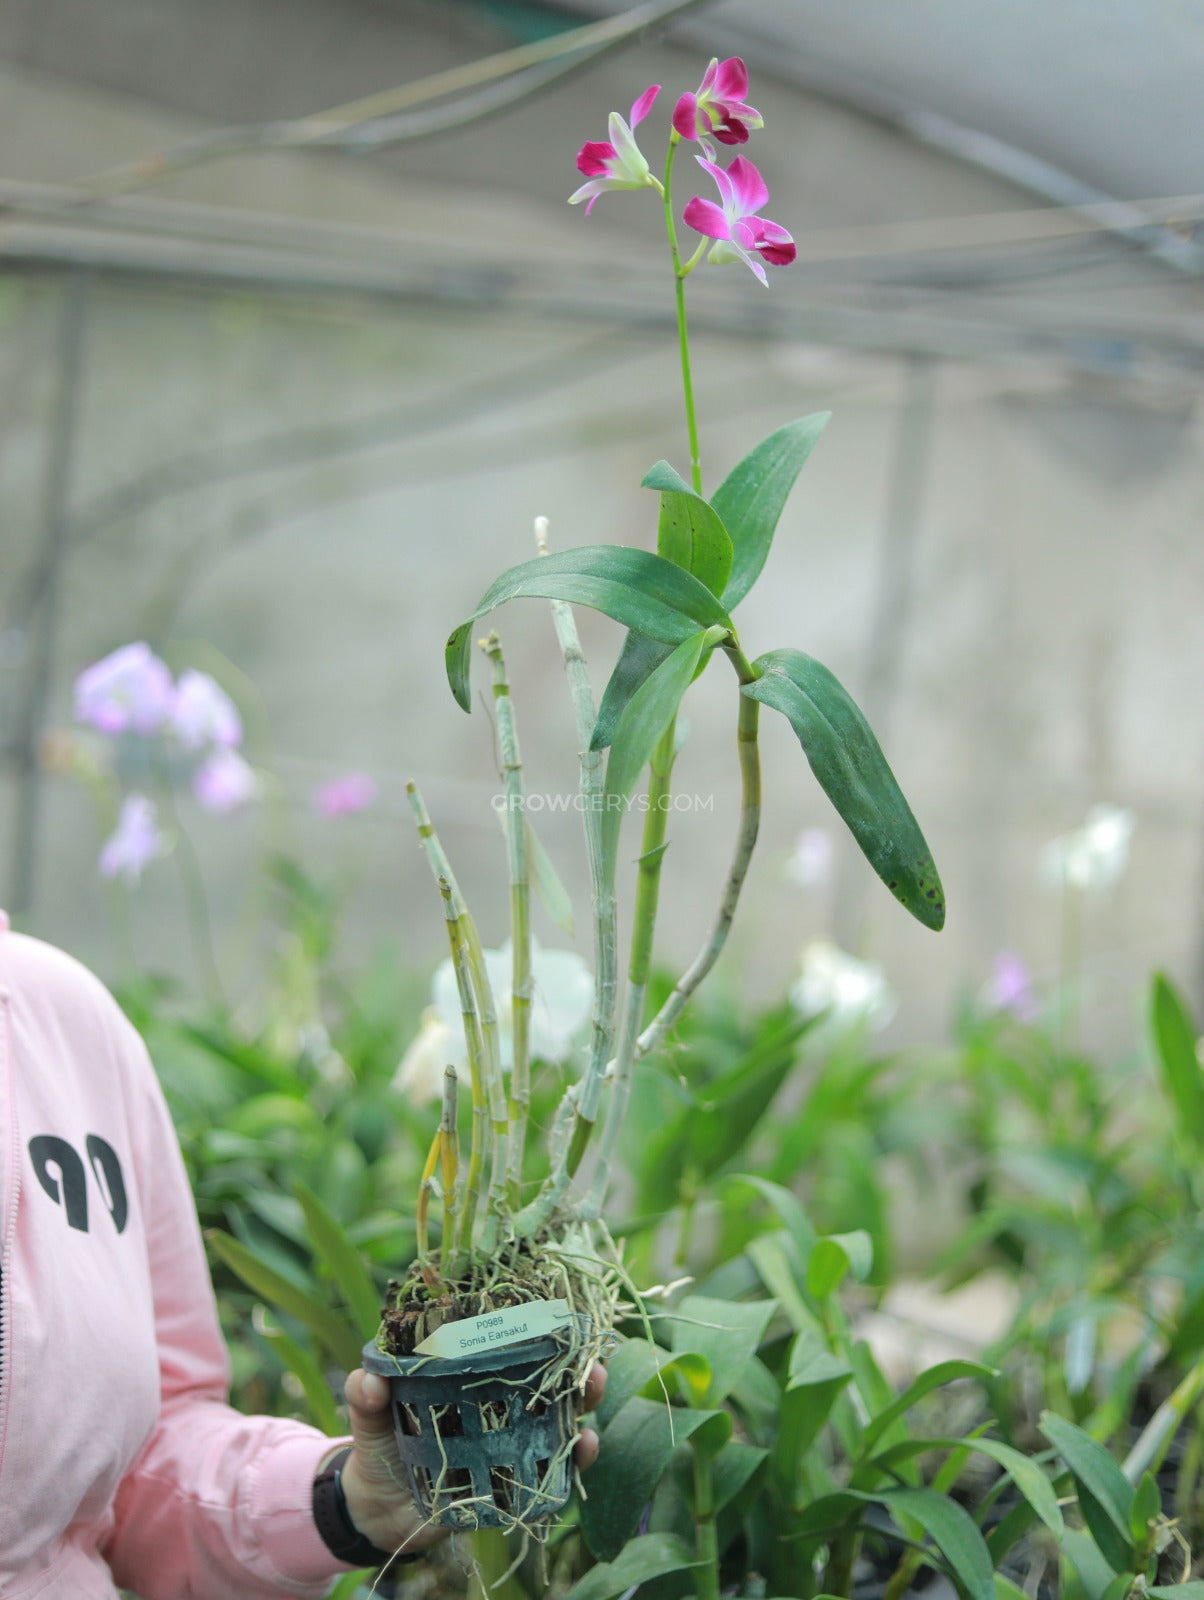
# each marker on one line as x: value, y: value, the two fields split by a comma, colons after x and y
x: 378, y: 1495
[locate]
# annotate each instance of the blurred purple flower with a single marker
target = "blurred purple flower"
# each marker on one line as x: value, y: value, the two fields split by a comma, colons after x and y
x: 136, y: 841
x: 1011, y: 988
x: 734, y: 225
x: 202, y: 713
x: 224, y: 781
x: 355, y: 791
x: 127, y: 691
x: 717, y: 106
x: 617, y: 162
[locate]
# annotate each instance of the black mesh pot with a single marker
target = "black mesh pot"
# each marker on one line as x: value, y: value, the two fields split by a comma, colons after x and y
x: 481, y: 1446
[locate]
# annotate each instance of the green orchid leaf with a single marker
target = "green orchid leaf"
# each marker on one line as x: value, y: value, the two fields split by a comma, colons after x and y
x: 953, y: 1531
x: 852, y: 771
x: 653, y: 1555
x: 691, y: 533
x: 751, y: 497
x: 724, y: 1333
x: 634, y: 1450
x: 338, y: 1336
x: 1175, y: 1043
x: 634, y: 587
x: 640, y: 727
x: 834, y: 1257
x: 342, y: 1260
x: 1029, y: 1478
x: 638, y: 660
x: 943, y: 1372
x: 1105, y: 1494
x: 628, y: 1369
x: 1145, y: 1510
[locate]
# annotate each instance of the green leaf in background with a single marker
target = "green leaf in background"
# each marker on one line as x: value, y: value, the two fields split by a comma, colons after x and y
x: 634, y: 587
x: 726, y: 1334
x: 645, y: 719
x: 1024, y: 1472
x: 751, y: 497
x: 338, y: 1336
x: 953, y: 1531
x: 634, y: 1451
x: 1145, y: 1510
x: 342, y: 1260
x: 690, y: 532
x: 834, y: 1257
x: 651, y: 1556
x: 1175, y: 1043
x: 1105, y: 1494
x: 1192, y: 1590
x: 308, y: 1374
x: 1082, y: 1560
x: 943, y: 1372
x: 545, y: 880
x: 852, y: 771
x: 788, y: 1207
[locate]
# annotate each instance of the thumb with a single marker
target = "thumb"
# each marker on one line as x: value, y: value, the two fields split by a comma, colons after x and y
x: 371, y: 1424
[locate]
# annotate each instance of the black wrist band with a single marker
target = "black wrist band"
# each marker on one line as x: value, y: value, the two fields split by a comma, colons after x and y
x: 333, y: 1521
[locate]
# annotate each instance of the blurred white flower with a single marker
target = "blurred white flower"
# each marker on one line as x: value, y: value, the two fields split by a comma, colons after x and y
x: 847, y: 990
x: 810, y: 866
x: 420, y: 1074
x: 560, y: 1006
x: 1094, y: 857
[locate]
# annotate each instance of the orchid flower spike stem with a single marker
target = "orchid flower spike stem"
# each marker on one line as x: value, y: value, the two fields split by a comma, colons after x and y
x: 683, y: 336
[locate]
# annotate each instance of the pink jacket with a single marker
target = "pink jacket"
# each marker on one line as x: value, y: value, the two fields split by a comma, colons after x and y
x: 120, y: 1461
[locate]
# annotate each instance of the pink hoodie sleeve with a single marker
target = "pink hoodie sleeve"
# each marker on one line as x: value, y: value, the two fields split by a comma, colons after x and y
x: 217, y: 1504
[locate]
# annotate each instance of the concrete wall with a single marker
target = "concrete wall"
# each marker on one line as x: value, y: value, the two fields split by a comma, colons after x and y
x: 306, y: 490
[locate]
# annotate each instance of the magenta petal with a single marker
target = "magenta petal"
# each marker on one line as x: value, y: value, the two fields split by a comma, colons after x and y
x: 704, y: 216
x: 731, y: 79
x: 731, y: 133
x: 593, y: 156
x: 685, y: 116
x: 747, y: 186
x: 644, y: 104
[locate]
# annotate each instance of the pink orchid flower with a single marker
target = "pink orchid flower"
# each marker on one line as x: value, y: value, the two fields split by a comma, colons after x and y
x: 734, y: 225
x: 136, y: 841
x: 224, y: 782
x: 717, y: 107
x: 344, y: 796
x: 128, y: 691
x: 203, y: 713
x: 616, y: 163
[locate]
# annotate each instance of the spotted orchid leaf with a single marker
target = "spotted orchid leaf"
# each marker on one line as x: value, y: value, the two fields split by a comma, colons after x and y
x: 852, y: 771
x: 690, y: 532
x: 636, y: 588
x: 750, y: 499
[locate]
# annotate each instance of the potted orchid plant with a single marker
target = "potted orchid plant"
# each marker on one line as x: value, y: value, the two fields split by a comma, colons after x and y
x: 514, y: 1292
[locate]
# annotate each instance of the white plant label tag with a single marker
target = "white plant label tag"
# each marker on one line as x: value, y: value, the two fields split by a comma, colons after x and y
x: 510, y: 1325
